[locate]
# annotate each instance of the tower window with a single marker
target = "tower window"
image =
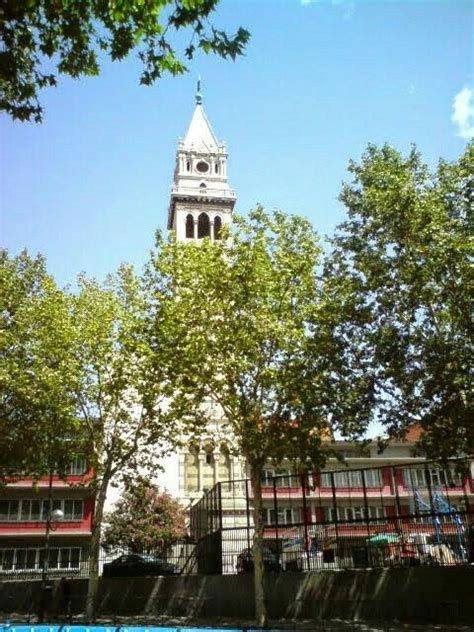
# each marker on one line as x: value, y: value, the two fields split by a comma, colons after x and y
x: 188, y: 166
x: 216, y: 168
x: 191, y: 470
x: 217, y: 227
x: 202, y: 167
x: 224, y: 465
x: 204, y: 226
x: 189, y: 226
x: 208, y: 474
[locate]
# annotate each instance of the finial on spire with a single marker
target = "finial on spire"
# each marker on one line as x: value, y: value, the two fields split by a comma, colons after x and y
x: 198, y: 91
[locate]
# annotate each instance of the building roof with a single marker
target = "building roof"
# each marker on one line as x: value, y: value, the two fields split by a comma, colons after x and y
x: 200, y: 136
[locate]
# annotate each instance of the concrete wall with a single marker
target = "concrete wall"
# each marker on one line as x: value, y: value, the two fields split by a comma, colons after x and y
x: 418, y: 594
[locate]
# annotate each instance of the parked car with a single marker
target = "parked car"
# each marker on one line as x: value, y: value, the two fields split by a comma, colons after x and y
x: 133, y: 564
x: 245, y: 561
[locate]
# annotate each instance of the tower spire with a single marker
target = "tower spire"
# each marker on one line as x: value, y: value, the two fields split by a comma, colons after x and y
x: 198, y: 91
x: 201, y: 191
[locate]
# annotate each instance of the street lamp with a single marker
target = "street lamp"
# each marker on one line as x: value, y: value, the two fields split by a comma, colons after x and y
x: 53, y: 517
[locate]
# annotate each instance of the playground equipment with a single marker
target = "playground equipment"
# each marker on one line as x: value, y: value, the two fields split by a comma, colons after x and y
x: 438, y: 508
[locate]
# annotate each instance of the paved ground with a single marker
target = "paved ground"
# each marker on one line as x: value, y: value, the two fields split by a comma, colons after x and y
x: 274, y: 626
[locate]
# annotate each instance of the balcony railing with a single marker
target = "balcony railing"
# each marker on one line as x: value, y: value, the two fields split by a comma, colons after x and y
x: 204, y: 192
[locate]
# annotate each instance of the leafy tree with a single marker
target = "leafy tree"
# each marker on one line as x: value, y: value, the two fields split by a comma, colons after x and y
x: 75, y: 372
x: 407, y: 247
x: 119, y: 392
x: 144, y: 518
x: 44, y: 38
x: 39, y: 428
x: 252, y: 328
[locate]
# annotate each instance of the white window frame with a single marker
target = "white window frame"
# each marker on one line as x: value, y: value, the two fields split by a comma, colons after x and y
x: 348, y: 479
x: 282, y: 478
x: 77, y: 467
x: 352, y: 513
x: 373, y: 479
x: 62, y: 554
x: 25, y: 506
x: 285, y: 516
x: 414, y: 477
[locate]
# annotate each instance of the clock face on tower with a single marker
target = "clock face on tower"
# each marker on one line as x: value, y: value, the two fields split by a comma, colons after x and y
x: 202, y: 167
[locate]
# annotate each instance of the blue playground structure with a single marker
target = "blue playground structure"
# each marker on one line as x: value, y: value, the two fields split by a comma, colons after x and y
x: 441, y: 507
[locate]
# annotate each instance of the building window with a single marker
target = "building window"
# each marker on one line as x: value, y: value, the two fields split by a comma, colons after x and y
x: 189, y: 226
x: 208, y: 471
x: 191, y: 471
x: 354, y: 513
x: 282, y: 478
x: 377, y: 511
x: 28, y: 559
x: 73, y: 509
x: 333, y: 514
x: 9, y: 510
x: 216, y: 167
x: 204, y: 226
x: 436, y: 477
x: 188, y: 166
x: 217, y: 227
x: 373, y: 478
x: 224, y: 465
x: 77, y: 467
x: 351, y: 478
x: 36, y: 510
x: 284, y: 515
x: 202, y: 167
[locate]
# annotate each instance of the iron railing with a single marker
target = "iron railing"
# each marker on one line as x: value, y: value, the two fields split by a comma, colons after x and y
x: 409, y: 514
x: 27, y: 562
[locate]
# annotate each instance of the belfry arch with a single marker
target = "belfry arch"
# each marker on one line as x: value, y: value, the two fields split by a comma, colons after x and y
x: 189, y: 226
x: 204, y: 226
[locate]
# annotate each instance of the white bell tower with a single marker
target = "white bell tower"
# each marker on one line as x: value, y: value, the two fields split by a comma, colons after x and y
x: 201, y: 199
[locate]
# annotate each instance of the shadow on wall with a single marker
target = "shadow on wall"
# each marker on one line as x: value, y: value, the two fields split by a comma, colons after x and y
x: 416, y: 595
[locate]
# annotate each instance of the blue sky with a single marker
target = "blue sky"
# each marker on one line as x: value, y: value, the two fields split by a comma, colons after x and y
x: 320, y: 80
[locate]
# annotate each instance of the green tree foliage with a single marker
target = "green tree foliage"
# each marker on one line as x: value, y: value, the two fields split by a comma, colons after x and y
x: 44, y: 38
x: 407, y: 248
x: 39, y: 428
x: 252, y: 328
x: 144, y: 518
x: 119, y: 392
x: 76, y: 373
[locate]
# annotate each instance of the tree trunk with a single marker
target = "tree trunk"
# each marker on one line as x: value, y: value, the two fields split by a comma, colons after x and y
x: 260, y: 604
x: 91, y: 599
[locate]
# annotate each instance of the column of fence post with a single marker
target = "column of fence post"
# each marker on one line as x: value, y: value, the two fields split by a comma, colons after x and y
x: 219, y: 508
x: 467, y: 480
x: 398, y: 507
x: 275, y: 509
x: 305, y: 518
x: 336, y: 518
x: 367, y: 518
x: 433, y: 513
x: 248, y: 510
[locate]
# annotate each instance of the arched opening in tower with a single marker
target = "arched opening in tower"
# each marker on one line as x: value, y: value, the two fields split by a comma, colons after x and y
x: 204, y: 226
x: 217, y: 227
x: 189, y: 226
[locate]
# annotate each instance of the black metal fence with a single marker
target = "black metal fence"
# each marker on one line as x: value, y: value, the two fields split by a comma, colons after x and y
x: 17, y: 562
x: 409, y: 514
